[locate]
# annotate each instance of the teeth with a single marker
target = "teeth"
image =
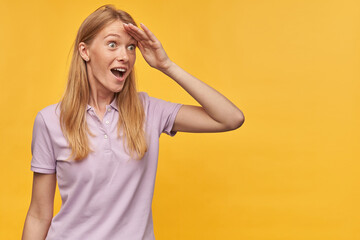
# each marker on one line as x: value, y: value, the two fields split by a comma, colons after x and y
x: 120, y: 69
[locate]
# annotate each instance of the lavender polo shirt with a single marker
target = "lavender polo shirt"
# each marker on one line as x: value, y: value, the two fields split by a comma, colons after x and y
x: 108, y: 195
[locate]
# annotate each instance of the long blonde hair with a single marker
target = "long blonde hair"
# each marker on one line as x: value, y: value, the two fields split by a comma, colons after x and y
x: 73, y: 104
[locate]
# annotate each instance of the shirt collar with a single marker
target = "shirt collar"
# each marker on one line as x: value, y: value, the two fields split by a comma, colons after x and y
x: 112, y: 105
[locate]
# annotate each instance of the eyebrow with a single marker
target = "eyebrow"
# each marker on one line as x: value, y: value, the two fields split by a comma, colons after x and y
x: 117, y: 35
x: 112, y: 34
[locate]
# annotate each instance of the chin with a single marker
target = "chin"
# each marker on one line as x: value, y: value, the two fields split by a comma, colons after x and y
x: 119, y: 89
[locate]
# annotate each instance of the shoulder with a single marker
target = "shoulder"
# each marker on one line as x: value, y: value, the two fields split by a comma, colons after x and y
x: 158, y: 105
x: 144, y: 96
x: 49, y: 109
x: 148, y: 100
x: 49, y: 114
x: 149, y: 103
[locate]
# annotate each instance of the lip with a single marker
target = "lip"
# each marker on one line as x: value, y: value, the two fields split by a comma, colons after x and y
x: 120, y: 67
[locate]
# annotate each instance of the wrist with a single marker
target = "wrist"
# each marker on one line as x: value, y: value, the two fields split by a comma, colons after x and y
x: 167, y: 69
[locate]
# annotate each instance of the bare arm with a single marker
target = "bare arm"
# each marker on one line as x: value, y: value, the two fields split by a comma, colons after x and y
x: 40, y: 212
x: 216, y: 113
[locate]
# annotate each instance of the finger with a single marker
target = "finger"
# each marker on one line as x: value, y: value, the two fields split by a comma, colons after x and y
x: 138, y: 32
x: 133, y: 33
x: 148, y: 33
x: 140, y: 46
x: 134, y: 36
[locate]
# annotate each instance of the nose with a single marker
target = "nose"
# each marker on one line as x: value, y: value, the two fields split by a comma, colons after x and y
x: 122, y: 55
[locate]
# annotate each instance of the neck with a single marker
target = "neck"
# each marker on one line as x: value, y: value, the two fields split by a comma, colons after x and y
x: 99, y: 95
x: 99, y: 100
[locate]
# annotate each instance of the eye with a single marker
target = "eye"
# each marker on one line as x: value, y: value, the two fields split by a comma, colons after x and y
x: 112, y: 44
x: 132, y: 47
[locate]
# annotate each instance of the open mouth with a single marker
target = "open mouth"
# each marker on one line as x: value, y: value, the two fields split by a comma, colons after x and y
x: 118, y: 72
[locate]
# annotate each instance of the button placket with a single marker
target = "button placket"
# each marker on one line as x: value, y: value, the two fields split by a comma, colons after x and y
x: 105, y: 129
x: 107, y: 140
x: 102, y: 130
x: 106, y: 121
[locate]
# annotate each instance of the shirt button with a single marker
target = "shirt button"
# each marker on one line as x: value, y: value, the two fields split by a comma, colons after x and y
x: 107, y: 122
x: 109, y: 109
x: 105, y: 136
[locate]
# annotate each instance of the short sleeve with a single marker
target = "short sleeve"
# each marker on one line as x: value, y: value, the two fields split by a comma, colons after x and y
x: 163, y: 114
x: 43, y: 160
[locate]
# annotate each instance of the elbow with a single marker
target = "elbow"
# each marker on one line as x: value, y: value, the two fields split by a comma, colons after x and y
x: 237, y: 121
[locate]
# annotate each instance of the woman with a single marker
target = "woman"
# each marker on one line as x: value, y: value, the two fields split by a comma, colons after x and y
x: 101, y: 141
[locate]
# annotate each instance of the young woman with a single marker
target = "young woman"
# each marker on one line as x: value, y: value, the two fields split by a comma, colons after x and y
x: 101, y: 141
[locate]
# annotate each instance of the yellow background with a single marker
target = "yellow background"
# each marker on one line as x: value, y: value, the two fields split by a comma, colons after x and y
x: 290, y: 172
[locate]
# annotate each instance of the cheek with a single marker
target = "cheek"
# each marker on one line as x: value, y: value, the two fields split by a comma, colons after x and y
x: 98, y: 68
x: 133, y: 59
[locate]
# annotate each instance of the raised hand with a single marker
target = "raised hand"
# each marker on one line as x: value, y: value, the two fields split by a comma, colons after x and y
x: 216, y: 114
x: 149, y: 46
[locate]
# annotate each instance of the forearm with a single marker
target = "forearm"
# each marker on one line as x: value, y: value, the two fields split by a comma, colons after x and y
x: 35, y: 228
x: 216, y: 105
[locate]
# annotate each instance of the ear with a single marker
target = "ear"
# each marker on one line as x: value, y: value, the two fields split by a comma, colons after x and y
x: 84, y: 51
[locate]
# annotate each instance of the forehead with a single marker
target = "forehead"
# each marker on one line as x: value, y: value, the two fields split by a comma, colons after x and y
x: 114, y: 29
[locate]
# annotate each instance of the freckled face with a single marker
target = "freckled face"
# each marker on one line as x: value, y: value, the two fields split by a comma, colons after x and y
x: 112, y: 57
